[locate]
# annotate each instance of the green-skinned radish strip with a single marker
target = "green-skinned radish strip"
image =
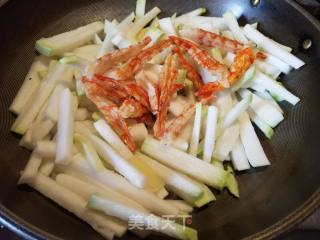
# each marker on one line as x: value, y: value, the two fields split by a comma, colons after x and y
x: 140, y: 9
x: 73, y: 203
x: 269, y: 45
x: 167, y: 26
x: 195, y: 12
x: 251, y: 143
x: 110, y: 155
x: 66, y: 42
x: 233, y: 25
x: 210, y: 134
x: 274, y: 87
x: 109, y: 178
x: 226, y: 142
x: 282, y: 66
x: 268, y: 112
x: 268, y: 69
x: 193, y: 192
x: 31, y: 169
x: 86, y: 189
x: 198, y: 21
x: 28, y: 115
x: 143, y: 21
x: 46, y: 167
x: 182, y: 205
x: 52, y: 109
x: 64, y: 138
x: 235, y: 112
x: 30, y: 85
x: 238, y: 157
x: 88, y: 150
x: 245, y: 79
x: 126, y: 213
x: 185, y: 163
x: 195, y: 136
x: 108, y: 134
x: 260, y: 123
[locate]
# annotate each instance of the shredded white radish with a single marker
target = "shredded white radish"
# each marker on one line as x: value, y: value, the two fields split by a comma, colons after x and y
x: 271, y: 47
x: 194, y: 140
x: 64, y: 138
x: 233, y: 25
x: 251, y: 143
x: 167, y: 26
x: 72, y: 202
x: 73, y: 118
x: 209, y: 139
x: 31, y: 169
x: 238, y: 157
x: 112, y: 138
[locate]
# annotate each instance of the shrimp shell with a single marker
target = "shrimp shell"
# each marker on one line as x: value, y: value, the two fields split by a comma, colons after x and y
x: 168, y: 75
x: 206, y: 93
x: 242, y: 61
x: 151, y: 89
x: 208, y: 89
x: 111, y: 113
x: 203, y: 59
x: 126, y: 88
x: 135, y: 64
x: 192, y: 74
x: 179, y: 122
x: 131, y: 108
x: 211, y: 39
x: 110, y: 60
x: 138, y: 93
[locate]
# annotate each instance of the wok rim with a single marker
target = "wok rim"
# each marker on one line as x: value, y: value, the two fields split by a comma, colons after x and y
x: 30, y: 232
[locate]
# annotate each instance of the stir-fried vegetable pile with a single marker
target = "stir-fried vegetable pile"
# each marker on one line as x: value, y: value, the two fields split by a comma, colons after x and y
x: 118, y: 115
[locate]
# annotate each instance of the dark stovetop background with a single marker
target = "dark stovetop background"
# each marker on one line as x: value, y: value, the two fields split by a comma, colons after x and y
x: 313, y: 7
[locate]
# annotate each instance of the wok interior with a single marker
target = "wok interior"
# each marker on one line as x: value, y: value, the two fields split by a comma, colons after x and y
x: 267, y: 194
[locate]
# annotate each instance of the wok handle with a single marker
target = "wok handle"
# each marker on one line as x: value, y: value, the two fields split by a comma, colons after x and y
x: 312, y: 6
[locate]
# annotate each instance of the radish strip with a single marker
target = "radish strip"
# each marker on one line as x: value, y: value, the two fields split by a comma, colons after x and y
x: 121, y: 165
x: 167, y: 26
x: 30, y: 85
x: 185, y: 163
x: 64, y: 138
x: 138, y: 25
x: 233, y: 25
x: 45, y: 148
x: 71, y: 202
x: 209, y: 139
x: 112, y: 138
x: 268, y: 112
x: 85, y: 190
x: 46, y: 167
x: 26, y: 117
x: 226, y: 142
x: 127, y: 213
x: 238, y: 157
x: 31, y: 169
x: 109, y: 178
x: 194, y: 140
x: 52, y: 109
x: 269, y: 45
x: 251, y: 143
x: 274, y: 87
x: 140, y: 8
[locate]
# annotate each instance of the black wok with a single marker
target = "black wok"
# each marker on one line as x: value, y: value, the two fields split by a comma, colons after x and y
x: 273, y: 199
